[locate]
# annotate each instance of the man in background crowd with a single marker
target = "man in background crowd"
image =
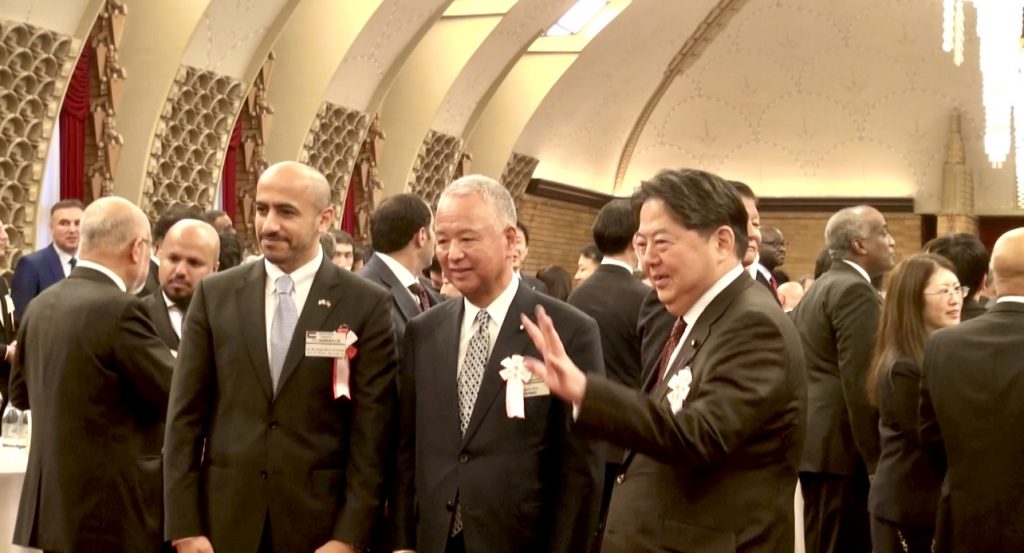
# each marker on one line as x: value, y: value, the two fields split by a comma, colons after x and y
x: 590, y: 259
x: 772, y: 254
x: 344, y: 248
x: 7, y: 343
x: 519, y: 257
x: 41, y: 269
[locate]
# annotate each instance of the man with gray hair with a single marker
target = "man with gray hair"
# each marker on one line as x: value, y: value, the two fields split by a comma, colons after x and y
x: 837, y: 320
x: 96, y: 376
x: 488, y: 461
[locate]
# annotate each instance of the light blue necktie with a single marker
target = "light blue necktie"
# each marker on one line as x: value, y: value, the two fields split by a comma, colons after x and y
x: 282, y: 327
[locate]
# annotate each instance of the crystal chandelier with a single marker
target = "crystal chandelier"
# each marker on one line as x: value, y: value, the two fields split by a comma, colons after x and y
x: 1001, y: 59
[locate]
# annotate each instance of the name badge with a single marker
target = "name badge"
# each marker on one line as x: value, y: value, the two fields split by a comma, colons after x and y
x: 535, y: 388
x: 325, y: 344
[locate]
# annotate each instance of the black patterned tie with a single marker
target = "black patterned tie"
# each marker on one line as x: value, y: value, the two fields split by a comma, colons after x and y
x: 469, y: 378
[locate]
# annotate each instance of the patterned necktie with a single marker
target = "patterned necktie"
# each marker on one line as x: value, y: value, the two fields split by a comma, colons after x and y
x: 420, y: 292
x: 472, y: 372
x: 282, y: 327
x: 469, y: 379
x: 673, y: 340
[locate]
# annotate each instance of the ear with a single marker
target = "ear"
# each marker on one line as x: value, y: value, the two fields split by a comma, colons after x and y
x: 857, y: 247
x: 420, y: 238
x: 724, y: 241
x: 510, y: 240
x: 325, y: 218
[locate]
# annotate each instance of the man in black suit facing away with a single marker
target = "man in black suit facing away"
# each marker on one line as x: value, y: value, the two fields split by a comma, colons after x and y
x: 716, y: 432
x: 523, y: 248
x: 971, y: 414
x: 7, y: 343
x: 90, y: 367
x: 276, y: 431
x: 971, y: 260
x: 472, y: 477
x: 838, y: 320
x: 612, y: 296
x: 188, y: 253
x: 403, y: 243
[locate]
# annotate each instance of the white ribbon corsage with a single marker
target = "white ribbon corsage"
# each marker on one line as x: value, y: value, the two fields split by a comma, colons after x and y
x: 516, y: 375
x: 679, y: 388
x: 340, y: 385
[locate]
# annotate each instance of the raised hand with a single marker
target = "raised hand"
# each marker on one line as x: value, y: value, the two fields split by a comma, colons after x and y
x: 561, y: 375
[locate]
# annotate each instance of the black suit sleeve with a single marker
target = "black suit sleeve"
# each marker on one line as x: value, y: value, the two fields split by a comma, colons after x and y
x: 743, y: 386
x: 373, y: 419
x: 192, y: 390
x: 143, y: 357
x: 905, y: 379
x: 581, y: 465
x: 928, y: 424
x: 16, y: 386
x: 404, y: 514
x: 856, y: 323
x: 24, y: 286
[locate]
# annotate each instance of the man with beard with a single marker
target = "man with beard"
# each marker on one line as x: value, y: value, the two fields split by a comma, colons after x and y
x: 189, y: 252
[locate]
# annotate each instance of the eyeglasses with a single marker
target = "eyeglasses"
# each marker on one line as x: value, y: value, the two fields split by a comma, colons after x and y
x: 959, y: 291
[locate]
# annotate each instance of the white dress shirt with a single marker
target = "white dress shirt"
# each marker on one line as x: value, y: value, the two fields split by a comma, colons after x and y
x: 859, y: 269
x: 65, y: 260
x: 497, y: 311
x: 616, y: 263
x: 97, y: 267
x: 401, y: 273
x: 303, y: 280
x: 1014, y: 299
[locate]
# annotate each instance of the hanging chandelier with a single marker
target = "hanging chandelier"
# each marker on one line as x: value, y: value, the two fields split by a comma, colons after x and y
x: 1001, y: 59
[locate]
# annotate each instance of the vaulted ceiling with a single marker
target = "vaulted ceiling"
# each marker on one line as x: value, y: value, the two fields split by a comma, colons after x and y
x: 803, y: 98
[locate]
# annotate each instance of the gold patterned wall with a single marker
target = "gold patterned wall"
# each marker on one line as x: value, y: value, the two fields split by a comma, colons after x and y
x: 331, y: 147
x: 191, y: 138
x: 35, y: 65
x: 435, y: 165
x: 517, y: 174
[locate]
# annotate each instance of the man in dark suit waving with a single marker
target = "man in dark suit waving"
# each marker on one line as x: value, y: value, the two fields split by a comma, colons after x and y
x: 971, y: 414
x: 90, y: 367
x: 188, y: 252
x: 45, y: 267
x: 837, y: 320
x: 715, y: 436
x: 475, y: 474
x: 403, y: 241
x: 284, y: 394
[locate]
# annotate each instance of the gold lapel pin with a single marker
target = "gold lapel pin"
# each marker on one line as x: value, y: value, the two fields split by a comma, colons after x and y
x: 325, y: 303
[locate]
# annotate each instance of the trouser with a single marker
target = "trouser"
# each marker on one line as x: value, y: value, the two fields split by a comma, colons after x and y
x: 835, y: 513
x: 891, y: 537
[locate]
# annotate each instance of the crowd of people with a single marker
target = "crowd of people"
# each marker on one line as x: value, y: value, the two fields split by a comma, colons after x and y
x: 427, y: 395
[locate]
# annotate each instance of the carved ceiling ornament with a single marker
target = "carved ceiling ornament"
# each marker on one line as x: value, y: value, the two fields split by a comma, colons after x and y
x: 435, y: 165
x: 35, y: 66
x: 191, y: 138
x: 957, y: 214
x: 517, y: 174
x: 257, y: 117
x: 106, y: 42
x: 333, y: 145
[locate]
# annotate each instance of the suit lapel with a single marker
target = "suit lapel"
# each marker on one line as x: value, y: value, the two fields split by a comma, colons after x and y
x: 53, y: 262
x: 252, y: 303
x: 406, y: 305
x: 163, y: 322
x: 326, y: 285
x: 445, y: 369
x: 511, y: 340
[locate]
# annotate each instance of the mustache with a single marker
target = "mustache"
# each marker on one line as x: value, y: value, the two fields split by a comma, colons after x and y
x: 273, y: 236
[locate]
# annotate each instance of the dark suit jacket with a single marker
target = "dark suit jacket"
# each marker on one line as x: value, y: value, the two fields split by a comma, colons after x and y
x: 972, y: 308
x: 90, y: 367
x: 534, y: 283
x: 907, y: 481
x: 152, y: 280
x: 972, y: 414
x: 308, y: 461
x: 403, y: 308
x: 6, y: 337
x: 524, y: 484
x: 156, y: 310
x: 720, y: 474
x: 34, y: 273
x: 837, y: 320
x: 654, y: 326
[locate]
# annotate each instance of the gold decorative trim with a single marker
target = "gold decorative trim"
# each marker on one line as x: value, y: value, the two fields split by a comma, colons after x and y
x: 106, y: 43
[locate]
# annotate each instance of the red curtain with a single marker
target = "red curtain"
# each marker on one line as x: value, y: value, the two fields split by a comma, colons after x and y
x: 72, y: 130
x: 229, y: 174
x: 348, y: 213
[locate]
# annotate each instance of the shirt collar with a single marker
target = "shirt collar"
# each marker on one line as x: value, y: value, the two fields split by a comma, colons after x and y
x: 302, y: 274
x: 64, y: 256
x: 695, y: 311
x: 167, y: 301
x: 617, y: 263
x: 860, y: 269
x: 498, y: 308
x: 97, y: 267
x: 1014, y: 299
x: 403, y: 275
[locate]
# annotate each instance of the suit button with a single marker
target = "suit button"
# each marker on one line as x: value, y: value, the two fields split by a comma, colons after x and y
x: 273, y: 425
x: 620, y: 478
x: 463, y: 458
x: 263, y: 474
x: 450, y: 505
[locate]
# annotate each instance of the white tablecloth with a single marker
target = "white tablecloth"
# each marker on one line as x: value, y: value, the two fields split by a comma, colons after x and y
x: 12, y: 474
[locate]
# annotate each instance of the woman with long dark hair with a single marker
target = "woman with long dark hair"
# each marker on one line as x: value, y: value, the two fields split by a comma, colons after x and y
x: 922, y: 296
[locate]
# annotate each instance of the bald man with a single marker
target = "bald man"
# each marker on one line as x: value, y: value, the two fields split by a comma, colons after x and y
x: 96, y: 376
x: 790, y: 294
x: 971, y: 414
x: 276, y: 432
x: 189, y: 252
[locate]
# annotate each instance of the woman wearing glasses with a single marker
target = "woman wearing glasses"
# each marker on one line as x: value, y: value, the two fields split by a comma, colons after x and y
x: 923, y: 295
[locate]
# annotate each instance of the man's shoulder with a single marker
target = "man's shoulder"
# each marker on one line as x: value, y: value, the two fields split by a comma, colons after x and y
x: 36, y: 258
